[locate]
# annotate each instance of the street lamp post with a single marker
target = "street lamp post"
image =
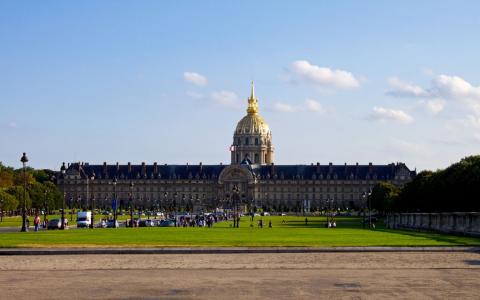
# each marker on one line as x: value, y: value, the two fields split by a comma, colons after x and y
x: 175, y: 208
x: 92, y: 224
x: 63, y: 170
x: 24, y: 160
x: 115, y: 202
x: 131, y: 204
x: 367, y: 199
x: 235, y: 194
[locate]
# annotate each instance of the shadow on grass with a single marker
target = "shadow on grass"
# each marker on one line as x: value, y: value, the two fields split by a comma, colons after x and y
x: 459, y: 240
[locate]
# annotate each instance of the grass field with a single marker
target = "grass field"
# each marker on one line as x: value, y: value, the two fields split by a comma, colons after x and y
x: 293, y: 232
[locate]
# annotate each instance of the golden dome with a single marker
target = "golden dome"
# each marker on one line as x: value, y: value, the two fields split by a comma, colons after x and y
x: 252, y: 122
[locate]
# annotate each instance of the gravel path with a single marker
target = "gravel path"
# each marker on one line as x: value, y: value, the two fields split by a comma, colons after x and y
x: 367, y: 275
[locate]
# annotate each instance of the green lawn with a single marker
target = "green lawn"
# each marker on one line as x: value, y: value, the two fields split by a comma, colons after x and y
x: 292, y: 233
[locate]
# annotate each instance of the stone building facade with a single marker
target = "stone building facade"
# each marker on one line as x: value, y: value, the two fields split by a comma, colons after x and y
x: 261, y: 182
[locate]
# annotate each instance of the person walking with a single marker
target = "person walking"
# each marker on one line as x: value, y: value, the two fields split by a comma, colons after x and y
x: 306, y: 221
x: 36, y: 222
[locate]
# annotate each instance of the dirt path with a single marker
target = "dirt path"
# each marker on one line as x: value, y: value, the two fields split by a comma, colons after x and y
x: 242, y: 276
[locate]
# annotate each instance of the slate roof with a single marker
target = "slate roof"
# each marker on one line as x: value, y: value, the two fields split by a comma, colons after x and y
x: 211, y: 172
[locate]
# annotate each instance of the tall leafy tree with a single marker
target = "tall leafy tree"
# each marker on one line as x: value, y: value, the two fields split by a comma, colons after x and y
x: 383, y: 196
x: 9, y: 202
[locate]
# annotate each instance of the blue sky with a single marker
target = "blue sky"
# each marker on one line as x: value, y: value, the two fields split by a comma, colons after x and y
x: 167, y: 81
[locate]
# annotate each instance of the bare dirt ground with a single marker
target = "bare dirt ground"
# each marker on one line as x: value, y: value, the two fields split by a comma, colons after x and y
x: 400, y: 275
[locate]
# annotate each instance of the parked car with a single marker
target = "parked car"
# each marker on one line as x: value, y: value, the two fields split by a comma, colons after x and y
x: 146, y: 223
x: 56, y: 224
x: 166, y: 223
x: 112, y: 224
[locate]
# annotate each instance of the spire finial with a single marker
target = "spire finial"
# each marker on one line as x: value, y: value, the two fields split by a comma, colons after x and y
x: 252, y: 93
x: 252, y: 102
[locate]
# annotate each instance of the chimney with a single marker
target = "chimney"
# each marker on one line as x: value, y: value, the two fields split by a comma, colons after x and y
x: 155, y: 168
x: 201, y: 167
x: 144, y: 169
x: 129, y: 167
x: 370, y: 167
x: 318, y: 167
x: 118, y: 167
x: 272, y: 169
x: 330, y: 167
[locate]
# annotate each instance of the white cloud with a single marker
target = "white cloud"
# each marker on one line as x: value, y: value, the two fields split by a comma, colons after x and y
x: 457, y: 89
x: 313, y: 105
x: 284, y: 107
x: 195, y: 78
x: 444, y: 88
x: 402, y: 88
x: 388, y: 114
x: 323, y: 76
x: 226, y: 98
x: 434, y: 106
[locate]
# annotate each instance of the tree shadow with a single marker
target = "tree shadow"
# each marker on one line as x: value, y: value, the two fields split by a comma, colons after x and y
x: 460, y: 240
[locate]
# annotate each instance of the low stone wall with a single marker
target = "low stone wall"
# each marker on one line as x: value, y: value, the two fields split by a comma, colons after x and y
x: 467, y: 223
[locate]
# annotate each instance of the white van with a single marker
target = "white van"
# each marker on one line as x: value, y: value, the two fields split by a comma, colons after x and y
x: 84, y: 219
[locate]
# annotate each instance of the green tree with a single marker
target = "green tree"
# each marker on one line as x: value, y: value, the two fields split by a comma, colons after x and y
x: 19, y: 177
x: 54, y: 196
x: 6, y: 176
x: 41, y: 176
x: 457, y: 188
x: 9, y: 202
x: 6, y: 179
x: 17, y: 192
x: 383, y: 196
x: 37, y: 194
